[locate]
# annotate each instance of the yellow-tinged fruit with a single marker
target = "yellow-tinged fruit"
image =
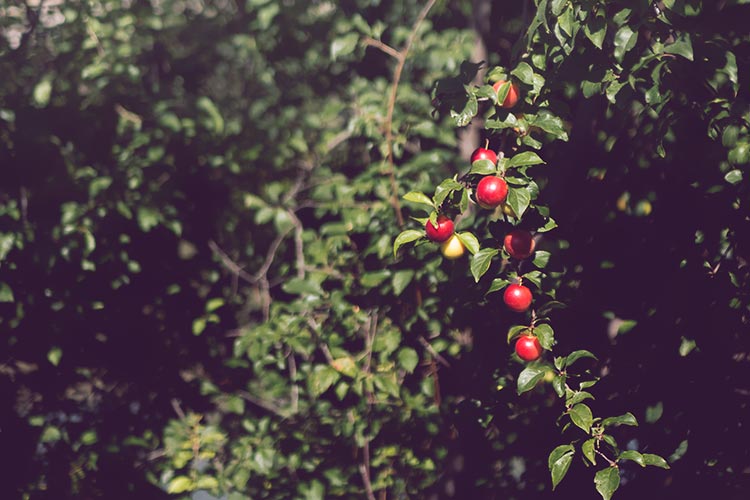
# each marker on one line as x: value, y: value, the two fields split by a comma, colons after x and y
x: 453, y: 248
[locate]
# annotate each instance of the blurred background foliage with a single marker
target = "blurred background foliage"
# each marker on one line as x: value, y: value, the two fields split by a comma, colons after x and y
x: 197, y: 290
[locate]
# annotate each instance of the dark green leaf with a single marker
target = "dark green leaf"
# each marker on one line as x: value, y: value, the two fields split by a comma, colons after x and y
x: 682, y: 46
x: 483, y: 167
x: 546, y: 335
x: 529, y: 377
x: 655, y: 460
x: 581, y: 416
x: 480, y: 262
x: 633, y: 456
x: 524, y: 73
x: 408, y: 359
x: 607, y: 481
x: 322, y: 377
x: 559, y: 462
x: 596, y: 28
x: 541, y: 258
x: 406, y: 237
x: 497, y: 284
x: 625, y: 40
x: 524, y: 159
x: 519, y: 200
x: 588, y: 450
x: 625, y: 419
x: 578, y: 396
x: 558, y: 384
x: 576, y: 355
x: 516, y: 330
x: 401, y: 280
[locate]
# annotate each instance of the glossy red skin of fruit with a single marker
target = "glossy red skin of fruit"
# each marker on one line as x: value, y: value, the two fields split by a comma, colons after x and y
x: 484, y: 154
x: 517, y: 297
x: 528, y: 348
x: 519, y: 244
x: 491, y: 191
x: 442, y: 232
x: 513, y: 94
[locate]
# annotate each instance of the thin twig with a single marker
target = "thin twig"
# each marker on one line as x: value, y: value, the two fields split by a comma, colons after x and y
x: 605, y: 457
x: 364, y: 470
x: 177, y: 408
x: 384, y: 47
x: 292, y: 365
x: 392, y: 104
x: 323, y: 346
x: 434, y: 353
x: 261, y: 403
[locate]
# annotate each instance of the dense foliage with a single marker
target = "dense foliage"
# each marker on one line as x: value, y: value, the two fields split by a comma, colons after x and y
x: 199, y: 289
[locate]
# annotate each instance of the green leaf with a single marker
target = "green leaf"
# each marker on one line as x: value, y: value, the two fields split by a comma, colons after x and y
x: 444, y: 189
x: 578, y: 396
x: 588, y: 450
x: 558, y: 384
x: 546, y: 335
x: 406, y: 237
x: 148, y: 218
x: 98, y: 185
x: 469, y: 111
x: 207, y: 483
x: 633, y: 456
x: 596, y: 29
x: 519, y: 200
x: 6, y: 294
x: 470, y: 241
x: 529, y: 377
x: 682, y: 46
x: 199, y: 324
x: 686, y: 346
x: 344, y: 45
x: 625, y: 40
x: 480, y: 262
x: 408, y: 359
x: 733, y: 176
x: 559, y: 461
x: 581, y: 416
x: 180, y: 484
x: 655, y: 460
x: 524, y: 73
x: 345, y: 365
x: 322, y: 377
x: 497, y: 284
x: 515, y: 330
x: 607, y: 481
x: 216, y: 123
x: 55, y: 355
x: 541, y: 258
x: 524, y: 159
x: 483, y: 167
x: 576, y: 355
x: 625, y: 419
x: 302, y: 286
x: 418, y: 197
x: 401, y: 280
x: 42, y: 92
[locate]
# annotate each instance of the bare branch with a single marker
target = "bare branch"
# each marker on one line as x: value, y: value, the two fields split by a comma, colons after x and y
x: 384, y: 47
x: 434, y: 353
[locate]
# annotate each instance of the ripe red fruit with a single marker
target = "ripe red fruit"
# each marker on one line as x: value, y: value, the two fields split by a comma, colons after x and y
x: 513, y: 94
x: 484, y: 154
x: 519, y: 243
x: 517, y: 297
x: 441, y: 232
x: 528, y: 348
x: 491, y: 191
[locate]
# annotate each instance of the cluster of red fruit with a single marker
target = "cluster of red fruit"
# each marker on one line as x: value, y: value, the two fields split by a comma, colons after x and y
x: 490, y: 193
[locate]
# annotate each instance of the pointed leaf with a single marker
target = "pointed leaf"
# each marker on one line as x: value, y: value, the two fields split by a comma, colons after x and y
x: 559, y: 462
x: 480, y: 262
x: 518, y: 199
x: 483, y: 167
x: 418, y: 197
x: 655, y: 460
x: 633, y: 456
x: 607, y: 481
x: 588, y: 450
x: 546, y: 335
x: 516, y: 330
x: 529, y: 377
x: 524, y: 159
x: 581, y: 416
x: 470, y: 241
x: 576, y: 355
x: 406, y: 237
x: 626, y: 419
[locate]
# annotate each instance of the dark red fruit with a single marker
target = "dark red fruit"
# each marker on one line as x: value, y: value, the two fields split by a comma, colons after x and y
x: 528, y: 348
x: 491, y: 191
x: 519, y: 243
x: 484, y: 154
x: 441, y: 232
x: 517, y: 297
